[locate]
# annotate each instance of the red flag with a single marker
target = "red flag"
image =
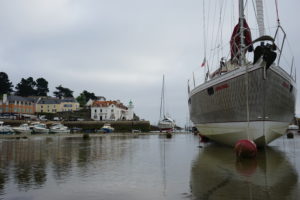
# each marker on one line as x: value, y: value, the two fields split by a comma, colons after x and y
x: 204, y: 62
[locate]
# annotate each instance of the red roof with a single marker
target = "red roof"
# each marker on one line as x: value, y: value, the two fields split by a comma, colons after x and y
x: 108, y: 103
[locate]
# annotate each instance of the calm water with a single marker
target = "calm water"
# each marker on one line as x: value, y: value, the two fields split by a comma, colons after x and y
x: 144, y: 167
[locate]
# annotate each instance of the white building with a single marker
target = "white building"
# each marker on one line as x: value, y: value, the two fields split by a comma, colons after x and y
x: 111, y: 110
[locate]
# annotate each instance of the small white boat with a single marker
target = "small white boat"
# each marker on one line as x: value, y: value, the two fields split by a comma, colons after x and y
x: 59, y: 128
x: 5, y: 129
x: 32, y: 124
x: 292, y: 129
x: 40, y: 128
x: 166, y: 124
x: 107, y: 128
x: 23, y: 128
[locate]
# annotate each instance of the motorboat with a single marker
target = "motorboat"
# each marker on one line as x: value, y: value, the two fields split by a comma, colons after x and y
x: 40, y: 128
x: 107, y: 128
x: 5, y: 129
x: 293, y: 128
x: 23, y: 128
x: 59, y: 128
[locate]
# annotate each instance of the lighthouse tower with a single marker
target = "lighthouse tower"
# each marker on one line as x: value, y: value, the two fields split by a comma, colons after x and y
x: 130, y: 111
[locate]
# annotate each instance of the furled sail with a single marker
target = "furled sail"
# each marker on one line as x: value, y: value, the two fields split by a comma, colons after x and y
x: 260, y: 17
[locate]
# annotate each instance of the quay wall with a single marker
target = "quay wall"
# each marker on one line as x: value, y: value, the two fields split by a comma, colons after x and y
x: 91, y: 126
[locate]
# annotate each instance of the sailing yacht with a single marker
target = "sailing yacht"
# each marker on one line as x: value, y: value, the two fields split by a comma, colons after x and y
x: 243, y: 99
x: 165, y: 122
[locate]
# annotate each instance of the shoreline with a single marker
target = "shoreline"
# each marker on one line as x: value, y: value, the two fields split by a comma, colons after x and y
x: 80, y: 135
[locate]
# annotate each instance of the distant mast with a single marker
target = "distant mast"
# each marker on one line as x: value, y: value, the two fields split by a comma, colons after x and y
x: 162, y: 100
x: 260, y: 17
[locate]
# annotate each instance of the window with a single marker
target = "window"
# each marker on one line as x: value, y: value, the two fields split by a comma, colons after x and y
x: 15, y: 110
x: 112, y: 110
x: 100, y: 110
x: 95, y: 110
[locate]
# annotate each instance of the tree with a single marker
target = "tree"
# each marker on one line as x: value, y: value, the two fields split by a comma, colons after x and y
x: 26, y: 87
x: 81, y: 100
x: 41, y: 87
x: 84, y: 97
x: 5, y: 85
x: 63, y: 92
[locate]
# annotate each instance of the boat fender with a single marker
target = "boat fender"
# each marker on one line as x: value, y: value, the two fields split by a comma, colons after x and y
x: 245, y: 149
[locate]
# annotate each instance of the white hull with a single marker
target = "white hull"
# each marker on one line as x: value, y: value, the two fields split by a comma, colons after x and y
x: 22, y: 131
x: 40, y: 130
x: 59, y: 130
x: 261, y: 132
x: 165, y: 125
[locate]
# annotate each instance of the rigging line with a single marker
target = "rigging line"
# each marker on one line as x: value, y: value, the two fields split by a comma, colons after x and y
x: 222, y: 47
x: 204, y: 38
x: 277, y: 12
x: 254, y: 8
x: 218, y: 40
x: 215, y: 44
x: 204, y: 32
x: 213, y: 33
x: 289, y: 45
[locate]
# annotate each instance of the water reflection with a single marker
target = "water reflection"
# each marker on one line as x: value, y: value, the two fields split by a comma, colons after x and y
x: 216, y: 174
x: 27, y: 162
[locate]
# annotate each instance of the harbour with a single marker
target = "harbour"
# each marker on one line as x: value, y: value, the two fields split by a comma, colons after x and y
x: 84, y: 114
x: 145, y: 166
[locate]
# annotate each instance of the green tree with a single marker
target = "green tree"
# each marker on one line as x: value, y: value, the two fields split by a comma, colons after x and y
x: 81, y: 100
x: 85, y: 96
x: 63, y: 92
x: 41, y: 87
x: 5, y: 85
x: 26, y: 87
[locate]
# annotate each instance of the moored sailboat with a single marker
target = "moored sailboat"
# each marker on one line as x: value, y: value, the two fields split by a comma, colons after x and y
x: 165, y: 122
x: 242, y: 99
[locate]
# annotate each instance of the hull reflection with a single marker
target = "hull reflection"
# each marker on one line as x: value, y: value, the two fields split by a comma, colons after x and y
x: 216, y: 174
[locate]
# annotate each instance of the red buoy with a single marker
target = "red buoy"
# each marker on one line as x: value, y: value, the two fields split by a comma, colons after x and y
x: 245, y: 149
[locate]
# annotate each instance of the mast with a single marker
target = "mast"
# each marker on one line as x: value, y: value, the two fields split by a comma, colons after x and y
x: 162, y: 100
x: 241, y: 18
x: 260, y: 17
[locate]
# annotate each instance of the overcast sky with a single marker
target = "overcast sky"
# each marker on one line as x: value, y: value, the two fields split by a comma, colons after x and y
x: 119, y: 49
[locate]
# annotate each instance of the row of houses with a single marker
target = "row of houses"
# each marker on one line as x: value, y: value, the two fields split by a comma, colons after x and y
x: 101, y: 109
x: 30, y: 105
